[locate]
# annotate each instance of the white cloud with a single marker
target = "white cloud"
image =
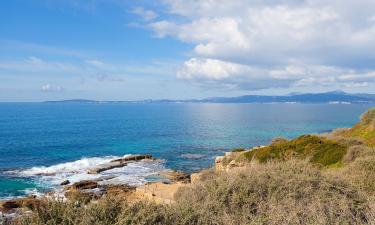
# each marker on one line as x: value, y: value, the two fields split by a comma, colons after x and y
x: 286, y: 42
x: 147, y: 15
x: 51, y: 88
x: 213, y: 73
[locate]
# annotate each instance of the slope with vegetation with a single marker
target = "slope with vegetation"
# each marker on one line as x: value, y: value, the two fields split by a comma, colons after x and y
x: 365, y: 129
x: 326, y: 179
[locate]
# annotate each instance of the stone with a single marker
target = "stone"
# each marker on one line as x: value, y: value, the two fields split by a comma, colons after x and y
x: 120, y: 162
x: 176, y: 176
x: 228, y: 153
x: 195, y: 177
x: 30, y: 202
x: 219, y: 163
x: 133, y: 158
x: 65, y: 182
x: 219, y: 159
x: 120, y: 190
x: 86, y: 184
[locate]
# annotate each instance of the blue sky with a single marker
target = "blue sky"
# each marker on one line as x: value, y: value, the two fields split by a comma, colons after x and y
x: 129, y: 50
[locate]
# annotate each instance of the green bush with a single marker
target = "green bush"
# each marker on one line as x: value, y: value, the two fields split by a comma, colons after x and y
x: 319, y: 150
x: 238, y: 150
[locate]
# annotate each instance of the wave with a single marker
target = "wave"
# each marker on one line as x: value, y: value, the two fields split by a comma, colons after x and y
x: 136, y: 173
x: 69, y: 167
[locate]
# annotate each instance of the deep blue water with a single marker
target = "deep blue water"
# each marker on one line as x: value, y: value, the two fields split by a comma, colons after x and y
x: 46, y: 134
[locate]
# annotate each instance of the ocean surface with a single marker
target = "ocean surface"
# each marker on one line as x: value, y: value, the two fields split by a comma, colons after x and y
x: 41, y: 144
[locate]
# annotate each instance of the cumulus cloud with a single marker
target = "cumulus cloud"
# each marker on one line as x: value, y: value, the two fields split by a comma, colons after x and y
x: 51, y: 88
x: 257, y: 44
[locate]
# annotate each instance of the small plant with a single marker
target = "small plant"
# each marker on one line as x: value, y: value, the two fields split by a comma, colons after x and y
x: 238, y: 150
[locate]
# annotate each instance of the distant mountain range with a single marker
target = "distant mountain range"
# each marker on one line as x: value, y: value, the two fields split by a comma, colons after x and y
x: 334, y: 97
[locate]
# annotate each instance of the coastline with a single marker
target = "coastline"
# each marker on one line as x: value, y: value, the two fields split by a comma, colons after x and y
x: 161, y: 190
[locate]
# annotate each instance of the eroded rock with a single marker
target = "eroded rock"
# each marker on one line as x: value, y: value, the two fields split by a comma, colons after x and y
x: 86, y: 184
x: 65, y: 182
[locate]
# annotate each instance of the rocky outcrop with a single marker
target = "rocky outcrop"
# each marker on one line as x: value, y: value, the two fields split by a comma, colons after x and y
x: 158, y: 192
x: 176, y: 176
x: 219, y: 163
x: 86, y: 184
x: 195, y: 178
x: 119, y: 191
x: 133, y: 158
x: 65, y: 182
x: 30, y: 202
x: 120, y: 162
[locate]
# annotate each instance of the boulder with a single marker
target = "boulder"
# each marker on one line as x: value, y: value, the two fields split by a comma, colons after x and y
x: 9, y: 205
x: 65, y: 182
x: 118, y: 190
x: 120, y: 162
x: 30, y: 202
x: 176, y: 176
x: 86, y: 184
x: 82, y: 196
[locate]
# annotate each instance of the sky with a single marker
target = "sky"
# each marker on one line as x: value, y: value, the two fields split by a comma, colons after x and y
x: 183, y: 49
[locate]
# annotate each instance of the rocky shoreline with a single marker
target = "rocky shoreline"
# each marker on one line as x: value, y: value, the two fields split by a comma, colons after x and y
x: 161, y: 191
x: 89, y: 190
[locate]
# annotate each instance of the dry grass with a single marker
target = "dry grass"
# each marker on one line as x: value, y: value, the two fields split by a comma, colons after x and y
x: 291, y: 192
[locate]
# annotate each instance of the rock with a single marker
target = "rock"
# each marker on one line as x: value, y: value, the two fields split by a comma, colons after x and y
x: 8, y: 205
x: 82, y: 196
x: 30, y: 202
x: 219, y: 159
x: 219, y: 163
x: 65, y: 182
x: 176, y: 176
x: 107, y: 166
x: 133, y: 158
x: 119, y: 190
x: 86, y: 184
x: 116, y: 163
x: 195, y: 177
x: 233, y: 164
x: 228, y: 153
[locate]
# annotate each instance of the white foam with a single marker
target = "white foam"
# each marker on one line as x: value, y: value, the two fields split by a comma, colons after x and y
x: 69, y: 167
x: 132, y: 174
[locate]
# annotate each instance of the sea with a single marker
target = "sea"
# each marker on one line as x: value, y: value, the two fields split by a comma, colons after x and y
x: 43, y: 144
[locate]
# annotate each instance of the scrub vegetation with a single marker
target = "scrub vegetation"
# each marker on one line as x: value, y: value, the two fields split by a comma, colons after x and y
x: 312, y: 179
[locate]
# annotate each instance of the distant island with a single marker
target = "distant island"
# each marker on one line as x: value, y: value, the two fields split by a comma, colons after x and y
x: 333, y: 97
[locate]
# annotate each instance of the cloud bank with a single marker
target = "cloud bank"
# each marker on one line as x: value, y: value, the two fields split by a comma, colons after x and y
x: 253, y: 44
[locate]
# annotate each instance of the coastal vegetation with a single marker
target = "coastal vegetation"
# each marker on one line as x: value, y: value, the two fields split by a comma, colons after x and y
x: 312, y: 179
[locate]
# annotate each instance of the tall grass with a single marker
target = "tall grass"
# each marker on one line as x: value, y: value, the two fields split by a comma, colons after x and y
x: 290, y: 192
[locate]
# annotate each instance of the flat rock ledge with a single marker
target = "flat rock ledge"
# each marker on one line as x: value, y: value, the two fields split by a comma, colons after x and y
x: 120, y: 162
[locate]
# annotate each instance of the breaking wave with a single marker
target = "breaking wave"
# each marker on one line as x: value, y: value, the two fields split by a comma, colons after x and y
x: 135, y: 173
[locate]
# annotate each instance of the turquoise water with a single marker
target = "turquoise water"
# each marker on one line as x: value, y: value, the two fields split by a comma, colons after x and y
x: 67, y: 138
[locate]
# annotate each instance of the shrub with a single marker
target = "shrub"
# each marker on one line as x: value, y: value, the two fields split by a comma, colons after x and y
x: 291, y: 192
x: 238, y: 150
x: 319, y: 150
x: 365, y: 129
x: 361, y: 171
